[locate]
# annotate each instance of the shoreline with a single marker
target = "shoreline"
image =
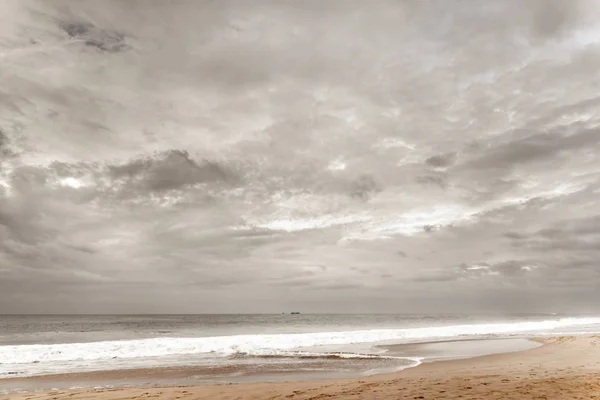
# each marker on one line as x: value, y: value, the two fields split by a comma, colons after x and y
x: 564, y: 364
x: 175, y: 375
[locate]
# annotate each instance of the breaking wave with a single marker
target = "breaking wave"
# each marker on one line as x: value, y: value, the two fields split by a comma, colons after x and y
x: 262, y: 345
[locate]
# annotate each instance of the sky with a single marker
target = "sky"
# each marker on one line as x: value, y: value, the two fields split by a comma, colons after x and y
x: 316, y: 156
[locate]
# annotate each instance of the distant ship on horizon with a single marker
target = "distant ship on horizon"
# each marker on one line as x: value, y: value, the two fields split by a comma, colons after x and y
x: 295, y: 312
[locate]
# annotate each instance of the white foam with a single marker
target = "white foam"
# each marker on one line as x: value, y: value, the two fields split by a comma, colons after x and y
x: 272, y: 344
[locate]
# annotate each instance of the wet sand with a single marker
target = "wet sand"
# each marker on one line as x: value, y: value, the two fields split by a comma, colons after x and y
x: 564, y: 368
x: 457, y: 349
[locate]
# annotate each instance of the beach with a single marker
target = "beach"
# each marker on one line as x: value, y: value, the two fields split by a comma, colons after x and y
x: 563, y: 368
x: 293, y: 200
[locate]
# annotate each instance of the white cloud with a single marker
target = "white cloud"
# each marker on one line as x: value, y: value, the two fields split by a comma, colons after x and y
x: 336, y: 165
x: 72, y: 182
x: 389, y: 143
x: 300, y: 224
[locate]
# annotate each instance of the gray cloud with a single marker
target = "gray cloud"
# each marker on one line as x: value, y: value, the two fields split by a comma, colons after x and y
x: 441, y: 160
x: 432, y: 180
x: 173, y: 169
x: 3, y: 139
x: 105, y: 41
x: 581, y: 235
x: 364, y: 187
x: 221, y: 157
x: 6, y: 153
x: 537, y: 148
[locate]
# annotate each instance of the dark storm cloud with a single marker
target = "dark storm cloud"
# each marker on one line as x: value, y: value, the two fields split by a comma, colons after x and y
x: 210, y: 156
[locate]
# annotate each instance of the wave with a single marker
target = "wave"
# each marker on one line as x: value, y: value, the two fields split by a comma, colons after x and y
x: 260, y: 345
x: 304, y: 355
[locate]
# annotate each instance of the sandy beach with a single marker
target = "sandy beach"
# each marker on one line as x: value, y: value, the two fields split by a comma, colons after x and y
x: 564, y: 368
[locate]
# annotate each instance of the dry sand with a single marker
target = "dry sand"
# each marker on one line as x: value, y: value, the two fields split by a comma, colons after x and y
x: 564, y: 368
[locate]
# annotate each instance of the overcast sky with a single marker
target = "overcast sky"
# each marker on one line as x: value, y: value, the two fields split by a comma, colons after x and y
x: 320, y: 156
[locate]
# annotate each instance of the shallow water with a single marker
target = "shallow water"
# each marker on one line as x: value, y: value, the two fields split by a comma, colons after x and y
x: 457, y: 349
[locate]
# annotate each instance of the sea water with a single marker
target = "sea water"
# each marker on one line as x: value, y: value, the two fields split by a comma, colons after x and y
x: 236, y: 347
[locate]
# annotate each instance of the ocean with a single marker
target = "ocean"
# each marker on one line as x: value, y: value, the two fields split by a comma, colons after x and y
x: 239, y: 348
